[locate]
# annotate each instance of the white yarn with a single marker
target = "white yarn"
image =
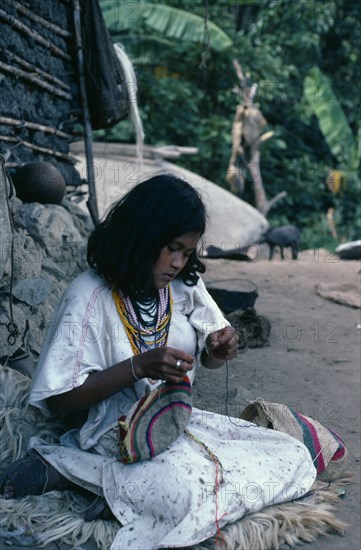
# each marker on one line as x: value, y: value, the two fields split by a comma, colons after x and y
x: 132, y: 88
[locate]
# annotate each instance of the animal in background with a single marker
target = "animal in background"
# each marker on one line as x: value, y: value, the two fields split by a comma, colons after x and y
x: 284, y: 236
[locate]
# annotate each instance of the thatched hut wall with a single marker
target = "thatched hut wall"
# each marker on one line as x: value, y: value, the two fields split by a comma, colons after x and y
x: 39, y: 105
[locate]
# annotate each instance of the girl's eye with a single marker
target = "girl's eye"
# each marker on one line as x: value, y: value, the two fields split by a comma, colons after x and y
x: 173, y: 248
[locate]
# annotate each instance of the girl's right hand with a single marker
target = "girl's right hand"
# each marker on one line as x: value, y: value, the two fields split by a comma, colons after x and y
x: 163, y: 363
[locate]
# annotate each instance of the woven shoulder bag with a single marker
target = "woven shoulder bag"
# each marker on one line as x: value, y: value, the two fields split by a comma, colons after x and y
x: 154, y: 422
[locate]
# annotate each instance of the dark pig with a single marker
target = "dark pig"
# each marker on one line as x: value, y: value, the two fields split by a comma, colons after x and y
x: 284, y: 236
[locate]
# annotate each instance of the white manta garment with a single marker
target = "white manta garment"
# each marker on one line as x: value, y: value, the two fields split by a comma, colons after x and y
x: 174, y: 499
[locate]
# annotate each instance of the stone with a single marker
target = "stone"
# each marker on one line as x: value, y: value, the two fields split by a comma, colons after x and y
x: 233, y: 223
x: 50, y: 224
x: 6, y: 194
x: 350, y: 250
x: 53, y: 227
x: 16, y: 203
x: 32, y: 291
x: 81, y: 219
x: 50, y: 267
x: 20, y: 318
x: 49, y: 252
x: 28, y: 256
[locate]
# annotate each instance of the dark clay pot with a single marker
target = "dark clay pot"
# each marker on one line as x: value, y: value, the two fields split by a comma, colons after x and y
x: 241, y: 295
x: 39, y: 182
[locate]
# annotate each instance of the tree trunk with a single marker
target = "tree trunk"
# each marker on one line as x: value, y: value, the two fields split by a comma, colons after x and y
x: 246, y: 145
x: 262, y: 204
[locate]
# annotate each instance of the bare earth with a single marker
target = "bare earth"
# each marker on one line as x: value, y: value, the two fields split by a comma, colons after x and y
x: 312, y: 364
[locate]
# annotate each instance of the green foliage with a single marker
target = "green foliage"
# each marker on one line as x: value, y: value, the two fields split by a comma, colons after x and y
x: 343, y: 145
x: 167, y: 20
x: 186, y: 97
x: 169, y: 100
x: 178, y: 24
x: 316, y: 234
x: 331, y: 118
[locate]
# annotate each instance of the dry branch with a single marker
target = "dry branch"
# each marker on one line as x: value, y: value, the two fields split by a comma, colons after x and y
x: 264, y: 137
x: 239, y: 72
x: 34, y: 80
x: 51, y: 26
x: 34, y: 126
x: 276, y: 198
x: 247, y: 141
x: 44, y: 150
x: 248, y: 92
x: 34, y: 69
x: 21, y: 27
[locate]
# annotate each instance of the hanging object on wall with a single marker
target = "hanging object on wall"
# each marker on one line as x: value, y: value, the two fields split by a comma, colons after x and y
x: 106, y: 90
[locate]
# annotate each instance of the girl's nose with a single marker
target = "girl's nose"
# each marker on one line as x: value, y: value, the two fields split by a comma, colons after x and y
x: 177, y: 261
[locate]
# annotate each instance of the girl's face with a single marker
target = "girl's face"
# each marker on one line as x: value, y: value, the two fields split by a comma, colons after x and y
x: 173, y: 257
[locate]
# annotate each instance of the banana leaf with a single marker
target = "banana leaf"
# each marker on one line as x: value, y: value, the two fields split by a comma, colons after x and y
x: 172, y: 22
x: 331, y: 117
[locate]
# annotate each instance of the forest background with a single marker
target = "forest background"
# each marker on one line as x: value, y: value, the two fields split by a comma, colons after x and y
x: 186, y: 95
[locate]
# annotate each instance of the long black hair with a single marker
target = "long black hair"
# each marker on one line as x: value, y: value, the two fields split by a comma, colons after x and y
x: 125, y: 246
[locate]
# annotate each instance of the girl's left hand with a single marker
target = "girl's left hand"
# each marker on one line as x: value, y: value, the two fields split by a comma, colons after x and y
x: 222, y: 344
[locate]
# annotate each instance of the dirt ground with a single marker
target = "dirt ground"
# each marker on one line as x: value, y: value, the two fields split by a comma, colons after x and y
x: 312, y: 363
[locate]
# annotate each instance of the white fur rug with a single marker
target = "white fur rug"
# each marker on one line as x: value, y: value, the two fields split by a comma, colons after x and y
x: 58, y: 516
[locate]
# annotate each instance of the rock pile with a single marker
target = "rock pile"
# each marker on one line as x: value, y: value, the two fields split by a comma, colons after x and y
x: 49, y: 251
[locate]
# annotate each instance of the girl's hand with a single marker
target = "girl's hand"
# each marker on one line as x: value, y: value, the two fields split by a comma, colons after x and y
x: 164, y: 363
x: 222, y: 344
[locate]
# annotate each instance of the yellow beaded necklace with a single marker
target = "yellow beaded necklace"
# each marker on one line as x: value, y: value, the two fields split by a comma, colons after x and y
x: 142, y: 339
